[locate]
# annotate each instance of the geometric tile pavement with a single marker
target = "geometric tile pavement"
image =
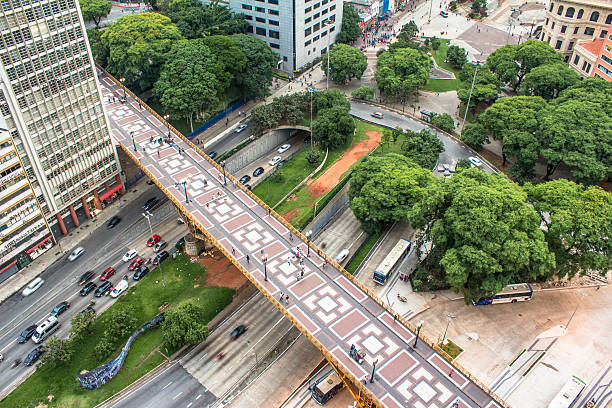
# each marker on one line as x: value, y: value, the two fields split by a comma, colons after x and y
x: 335, y: 311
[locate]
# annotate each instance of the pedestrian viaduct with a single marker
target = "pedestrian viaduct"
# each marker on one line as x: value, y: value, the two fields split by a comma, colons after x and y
x: 329, y: 306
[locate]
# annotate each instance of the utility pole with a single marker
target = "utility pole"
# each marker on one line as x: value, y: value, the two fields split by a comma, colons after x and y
x: 470, y: 96
x: 148, y: 216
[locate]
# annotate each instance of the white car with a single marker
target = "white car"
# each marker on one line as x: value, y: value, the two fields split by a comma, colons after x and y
x: 240, y: 128
x: 129, y: 255
x: 120, y: 288
x: 475, y: 161
x: 284, y: 148
x: 275, y: 160
x: 342, y: 255
x: 377, y: 115
x: 76, y: 253
x: 32, y: 286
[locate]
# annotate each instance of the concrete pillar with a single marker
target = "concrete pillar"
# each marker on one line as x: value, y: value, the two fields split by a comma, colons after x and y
x: 97, y: 203
x: 193, y: 246
x: 61, y: 224
x: 75, y: 219
x: 118, y: 180
x: 85, y: 207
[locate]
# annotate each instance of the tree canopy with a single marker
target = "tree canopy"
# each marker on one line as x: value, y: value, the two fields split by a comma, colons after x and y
x: 230, y: 56
x: 350, y: 31
x: 196, y: 19
x: 57, y: 351
x: 423, y: 147
x: 333, y: 127
x: 329, y: 99
x: 345, y: 63
x: 456, y: 56
x: 475, y: 135
x: 95, y: 10
x: 486, y: 85
x: 401, y: 72
x: 261, y: 61
x: 185, y: 325
x: 363, y: 92
x: 548, y: 80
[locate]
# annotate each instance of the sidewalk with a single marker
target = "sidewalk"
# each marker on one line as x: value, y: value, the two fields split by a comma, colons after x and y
x: 87, y: 228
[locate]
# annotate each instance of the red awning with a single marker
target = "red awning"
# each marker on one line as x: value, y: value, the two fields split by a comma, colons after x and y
x: 8, y: 266
x: 39, y: 244
x: 111, y: 191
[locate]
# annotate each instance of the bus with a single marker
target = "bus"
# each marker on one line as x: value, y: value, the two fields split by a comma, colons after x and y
x: 518, y: 292
x: 327, y: 387
x: 385, y: 269
x: 568, y: 394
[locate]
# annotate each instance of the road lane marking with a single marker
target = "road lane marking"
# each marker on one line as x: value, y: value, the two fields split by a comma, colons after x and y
x: 177, y: 395
x: 198, y: 397
x: 262, y: 337
x: 190, y: 404
x: 165, y: 386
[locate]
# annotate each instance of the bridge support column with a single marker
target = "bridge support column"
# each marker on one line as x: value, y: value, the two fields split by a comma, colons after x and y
x: 193, y: 246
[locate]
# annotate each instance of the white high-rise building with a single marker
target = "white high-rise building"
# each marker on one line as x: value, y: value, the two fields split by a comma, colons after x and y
x: 299, y: 30
x: 55, y: 129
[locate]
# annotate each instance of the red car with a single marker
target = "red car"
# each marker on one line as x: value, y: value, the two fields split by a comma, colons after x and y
x: 108, y: 272
x: 153, y: 240
x: 136, y: 264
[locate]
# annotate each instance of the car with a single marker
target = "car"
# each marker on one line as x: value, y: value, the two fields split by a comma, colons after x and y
x: 78, y: 251
x: 86, y: 277
x: 108, y: 272
x: 32, y: 286
x: 129, y: 255
x: 238, y: 331
x: 60, y: 308
x: 240, y: 128
x: 476, y: 162
x: 150, y: 182
x: 284, y: 148
x: 153, y: 240
x: 377, y: 115
x: 140, y: 273
x: 248, y: 187
x: 180, y: 244
x: 258, y: 171
x: 135, y: 264
x: 161, y: 257
x: 281, y: 164
x: 159, y: 246
x: 26, y: 334
x: 180, y: 221
x: 104, y: 289
x: 120, y: 288
x: 274, y: 161
x: 150, y: 203
x: 342, y: 255
x: 244, y: 179
x: 113, y: 222
x: 33, y: 356
x: 212, y: 154
x: 88, y: 288
x: 445, y: 14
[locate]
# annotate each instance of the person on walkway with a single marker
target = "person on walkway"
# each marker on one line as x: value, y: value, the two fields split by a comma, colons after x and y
x: 282, y: 295
x: 248, y: 259
x: 233, y: 251
x: 450, y: 374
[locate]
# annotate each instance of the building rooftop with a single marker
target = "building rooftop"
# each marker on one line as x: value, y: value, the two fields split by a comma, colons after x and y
x: 594, y: 47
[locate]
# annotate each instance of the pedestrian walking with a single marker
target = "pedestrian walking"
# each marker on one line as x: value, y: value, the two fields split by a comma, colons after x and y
x: 287, y: 298
x: 248, y: 259
x: 297, y: 276
x: 450, y: 374
x: 290, y: 237
x: 302, y: 273
x: 281, y: 296
x: 233, y: 251
x: 456, y: 404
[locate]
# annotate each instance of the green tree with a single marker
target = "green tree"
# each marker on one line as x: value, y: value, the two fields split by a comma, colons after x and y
x: 261, y: 61
x: 79, y: 324
x: 196, y: 19
x: 232, y: 59
x: 452, y: 5
x: 292, y: 107
x: 422, y: 148
x: 188, y: 83
x: 333, y: 127
x: 265, y: 117
x: 409, y: 30
x: 483, y: 232
x: 486, y: 85
x: 345, y: 63
x: 475, y: 135
x: 57, y: 351
x: 122, y: 322
x: 329, y: 99
x: 401, y: 72
x: 456, y: 56
x: 548, y: 80
x: 184, y: 325
x: 444, y: 121
x: 435, y: 43
x: 363, y: 92
x: 350, y: 31
x: 384, y: 188
x: 578, y: 225
x: 95, y: 10
x: 137, y: 45
x: 98, y: 50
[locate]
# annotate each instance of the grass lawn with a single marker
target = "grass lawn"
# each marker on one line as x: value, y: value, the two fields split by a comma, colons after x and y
x: 440, y: 56
x: 441, y: 85
x: 184, y: 280
x: 363, y: 251
x: 451, y: 349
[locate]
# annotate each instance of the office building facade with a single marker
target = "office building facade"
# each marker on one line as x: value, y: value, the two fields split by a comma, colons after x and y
x: 594, y: 58
x: 52, y: 112
x: 299, y: 31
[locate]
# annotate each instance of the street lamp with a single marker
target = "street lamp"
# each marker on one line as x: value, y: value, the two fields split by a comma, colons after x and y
x: 148, y: 216
x: 122, y: 80
x: 167, y: 118
x: 223, y: 167
x: 326, y: 21
x: 308, y: 235
x: 133, y: 141
x: 449, y: 316
x: 373, y: 370
x: 184, y: 184
x: 470, y: 96
x: 417, y: 333
x: 311, y: 91
x: 574, y: 312
x: 265, y: 261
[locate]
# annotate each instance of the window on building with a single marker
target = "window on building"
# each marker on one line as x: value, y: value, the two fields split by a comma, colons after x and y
x: 317, y: 15
x: 603, y: 33
x: 260, y: 20
x: 307, y: 32
x: 594, y: 16
x: 552, y: 5
x: 248, y: 17
x: 609, y: 19
x: 261, y: 1
x: 308, y: 20
x: 605, y: 70
x: 250, y: 29
x: 273, y: 34
x: 563, y: 29
x: 316, y: 27
x: 606, y: 58
x: 324, y: 2
x: 274, y: 45
x: 589, y: 31
x: 260, y: 31
x: 552, y: 27
x: 315, y: 38
x: 580, y: 13
x: 560, y: 10
x: 273, y: 12
x: 570, y: 12
x: 570, y: 46
x: 260, y: 9
x: 247, y: 7
x: 576, y: 60
x: 317, y: 5
x: 332, y: 7
x: 324, y: 12
x: 323, y: 34
x: 307, y: 43
x: 273, y: 22
x: 586, y: 67
x: 575, y: 30
x: 308, y: 10
x: 275, y: 2
x: 285, y: 59
x: 558, y: 45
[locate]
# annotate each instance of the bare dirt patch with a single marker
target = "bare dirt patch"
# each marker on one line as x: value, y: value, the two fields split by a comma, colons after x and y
x: 289, y: 215
x: 221, y: 272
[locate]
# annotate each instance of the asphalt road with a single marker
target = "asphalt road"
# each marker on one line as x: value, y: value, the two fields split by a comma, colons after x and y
x: 228, y: 141
x: 104, y: 248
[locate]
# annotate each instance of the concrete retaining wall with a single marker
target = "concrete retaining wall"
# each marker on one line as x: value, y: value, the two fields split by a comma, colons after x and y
x: 333, y: 207
x: 257, y: 149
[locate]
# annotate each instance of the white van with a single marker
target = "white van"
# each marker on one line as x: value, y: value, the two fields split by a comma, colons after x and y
x: 45, y: 329
x: 120, y: 288
x: 342, y: 255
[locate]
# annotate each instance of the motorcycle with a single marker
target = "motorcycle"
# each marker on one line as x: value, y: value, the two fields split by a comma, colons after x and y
x: 356, y: 355
x: 220, y: 356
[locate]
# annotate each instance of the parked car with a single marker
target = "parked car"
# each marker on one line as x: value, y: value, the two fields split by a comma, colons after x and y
x: 150, y: 203
x: 129, y: 255
x: 377, y: 115
x: 161, y: 257
x: 32, y: 287
x: 108, y: 272
x: 241, y: 127
x: 60, y: 308
x: 104, y: 289
x: 476, y: 162
x: 342, y: 255
x: 281, y: 164
x: 244, y: 179
x: 159, y: 246
x: 180, y: 244
x: 26, y: 334
x: 248, y: 187
x: 33, y: 356
x: 135, y: 264
x: 78, y: 251
x: 258, y: 171
x: 113, y: 222
x: 212, y: 154
x: 275, y: 160
x: 238, y: 331
x: 284, y: 148
x: 140, y: 273
x: 120, y: 288
x: 153, y: 240
x: 86, y: 277
x: 88, y: 288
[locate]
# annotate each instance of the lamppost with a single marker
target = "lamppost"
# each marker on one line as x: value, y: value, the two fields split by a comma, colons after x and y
x: 122, y: 80
x: 265, y: 261
x: 430, y: 7
x: 133, y: 141
x: 416, y: 339
x: 326, y: 21
x: 223, y: 167
x: 449, y: 316
x: 167, y: 118
x: 184, y: 184
x: 148, y: 216
x: 470, y: 96
x: 373, y: 370
x: 311, y: 91
x: 308, y: 235
x: 574, y: 312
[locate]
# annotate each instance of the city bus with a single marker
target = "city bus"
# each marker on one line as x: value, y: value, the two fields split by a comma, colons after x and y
x: 518, y: 292
x: 327, y: 387
x: 568, y: 394
x: 385, y: 269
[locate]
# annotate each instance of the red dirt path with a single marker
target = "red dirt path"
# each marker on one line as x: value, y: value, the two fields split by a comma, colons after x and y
x: 221, y: 272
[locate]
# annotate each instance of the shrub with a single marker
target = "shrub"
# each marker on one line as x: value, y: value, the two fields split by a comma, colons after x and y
x: 313, y: 156
x: 444, y: 121
x: 435, y: 43
x: 363, y: 92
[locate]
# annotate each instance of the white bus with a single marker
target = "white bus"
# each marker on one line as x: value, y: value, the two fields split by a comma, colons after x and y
x: 518, y: 292
x: 385, y: 269
x: 325, y: 389
x: 568, y: 394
